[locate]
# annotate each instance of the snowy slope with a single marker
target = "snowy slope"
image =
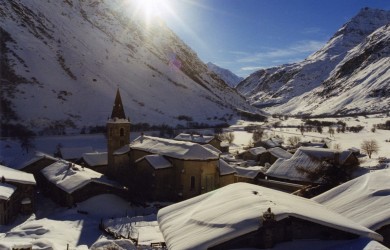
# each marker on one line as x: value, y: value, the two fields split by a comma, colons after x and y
x: 64, y: 60
x: 229, y: 77
x: 350, y: 74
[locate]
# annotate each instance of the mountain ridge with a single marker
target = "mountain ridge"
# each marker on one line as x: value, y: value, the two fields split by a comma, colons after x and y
x: 229, y: 77
x: 294, y: 88
x: 65, y: 60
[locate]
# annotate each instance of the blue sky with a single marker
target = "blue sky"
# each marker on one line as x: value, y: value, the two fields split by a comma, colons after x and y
x: 245, y: 35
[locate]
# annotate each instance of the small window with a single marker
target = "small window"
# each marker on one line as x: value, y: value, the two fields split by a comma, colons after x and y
x: 121, y: 132
x: 192, y: 183
x: 111, y: 131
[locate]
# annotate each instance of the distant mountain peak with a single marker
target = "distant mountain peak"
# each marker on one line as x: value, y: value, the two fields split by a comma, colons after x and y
x: 229, y: 77
x: 348, y: 75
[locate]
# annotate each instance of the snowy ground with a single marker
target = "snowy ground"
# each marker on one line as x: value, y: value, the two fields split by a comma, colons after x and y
x: 54, y: 227
x: 344, y: 140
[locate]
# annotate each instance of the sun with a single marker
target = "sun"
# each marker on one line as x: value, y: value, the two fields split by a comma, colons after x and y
x: 151, y: 9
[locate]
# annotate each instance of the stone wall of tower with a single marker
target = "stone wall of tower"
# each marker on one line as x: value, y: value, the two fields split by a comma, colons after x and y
x: 118, y: 136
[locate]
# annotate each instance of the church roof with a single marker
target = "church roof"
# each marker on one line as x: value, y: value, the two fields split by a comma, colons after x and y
x: 118, y: 111
x: 175, y: 149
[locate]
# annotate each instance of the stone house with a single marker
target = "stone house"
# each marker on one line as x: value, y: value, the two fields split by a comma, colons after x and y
x: 312, y: 144
x: 194, y: 167
x: 309, y: 158
x: 226, y: 173
x: 249, y: 174
x: 36, y: 164
x: 248, y: 216
x: 252, y: 154
x: 273, y: 154
x: 67, y: 183
x: 17, y: 193
x: 156, y: 173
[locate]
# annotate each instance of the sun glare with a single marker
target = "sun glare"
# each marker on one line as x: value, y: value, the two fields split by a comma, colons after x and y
x: 151, y: 9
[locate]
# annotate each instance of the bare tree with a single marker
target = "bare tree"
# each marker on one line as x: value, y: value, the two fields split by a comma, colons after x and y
x: 337, y: 146
x: 226, y: 137
x: 294, y: 140
x: 331, y: 131
x: 257, y: 134
x: 369, y: 147
x: 230, y: 137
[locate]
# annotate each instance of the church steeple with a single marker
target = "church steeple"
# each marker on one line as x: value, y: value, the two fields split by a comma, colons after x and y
x: 118, y: 135
x: 117, y: 110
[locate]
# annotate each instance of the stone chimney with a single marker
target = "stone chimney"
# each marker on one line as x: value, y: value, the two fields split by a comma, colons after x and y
x: 336, y: 159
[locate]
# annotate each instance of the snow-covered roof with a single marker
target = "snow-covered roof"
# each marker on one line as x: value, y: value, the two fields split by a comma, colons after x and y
x: 235, y: 210
x: 157, y: 161
x: 72, y: 178
x: 313, y: 144
x: 249, y: 172
x: 202, y: 139
x: 6, y: 191
x: 257, y: 150
x: 172, y: 148
x: 123, y: 150
x: 212, y: 148
x: 225, y: 168
x: 38, y: 156
x: 271, y: 143
x: 365, y: 200
x: 14, y: 175
x: 305, y: 157
x: 96, y: 158
x: 75, y: 153
x: 280, y: 153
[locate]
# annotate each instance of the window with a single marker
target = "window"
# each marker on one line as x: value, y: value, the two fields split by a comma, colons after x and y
x: 121, y: 132
x: 192, y: 185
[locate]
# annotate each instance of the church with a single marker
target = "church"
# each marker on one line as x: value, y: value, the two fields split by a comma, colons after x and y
x: 161, y: 169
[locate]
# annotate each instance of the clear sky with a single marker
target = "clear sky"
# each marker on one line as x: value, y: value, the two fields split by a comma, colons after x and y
x: 246, y: 35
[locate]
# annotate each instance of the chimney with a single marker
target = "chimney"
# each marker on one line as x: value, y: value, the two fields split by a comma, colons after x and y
x: 336, y: 160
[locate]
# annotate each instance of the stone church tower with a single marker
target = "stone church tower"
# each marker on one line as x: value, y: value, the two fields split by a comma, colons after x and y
x: 118, y: 134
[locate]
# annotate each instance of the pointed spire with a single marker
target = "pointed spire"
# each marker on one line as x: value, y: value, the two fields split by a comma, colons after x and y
x: 117, y: 110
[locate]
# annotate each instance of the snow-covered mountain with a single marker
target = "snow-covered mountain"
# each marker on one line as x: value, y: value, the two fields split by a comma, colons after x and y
x: 229, y: 77
x: 350, y: 74
x: 62, y: 62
